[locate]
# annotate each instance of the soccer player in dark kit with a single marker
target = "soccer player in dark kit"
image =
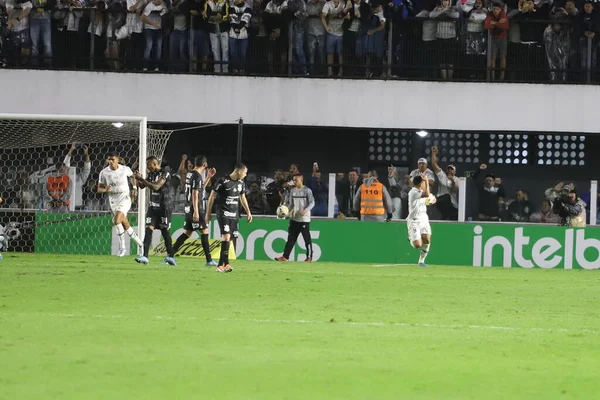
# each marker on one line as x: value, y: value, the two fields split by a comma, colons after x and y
x: 194, y: 215
x: 227, y: 194
x: 159, y: 209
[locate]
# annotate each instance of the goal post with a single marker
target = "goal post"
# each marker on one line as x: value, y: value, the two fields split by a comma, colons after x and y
x: 39, y: 152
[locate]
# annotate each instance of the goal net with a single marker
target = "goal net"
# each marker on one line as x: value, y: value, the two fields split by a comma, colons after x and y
x: 49, y: 174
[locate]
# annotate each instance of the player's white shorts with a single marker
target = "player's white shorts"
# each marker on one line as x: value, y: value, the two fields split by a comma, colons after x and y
x: 416, y: 228
x: 120, y: 202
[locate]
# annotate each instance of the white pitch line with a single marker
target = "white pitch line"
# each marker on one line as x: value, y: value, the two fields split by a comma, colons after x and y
x: 308, y: 321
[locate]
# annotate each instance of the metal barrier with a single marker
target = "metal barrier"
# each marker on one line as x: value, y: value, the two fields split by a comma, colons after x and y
x: 114, y: 39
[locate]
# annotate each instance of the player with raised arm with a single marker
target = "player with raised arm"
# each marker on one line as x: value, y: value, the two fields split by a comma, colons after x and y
x: 115, y: 180
x: 417, y: 221
x: 159, y: 209
x: 227, y: 194
x: 300, y: 201
x: 194, y: 215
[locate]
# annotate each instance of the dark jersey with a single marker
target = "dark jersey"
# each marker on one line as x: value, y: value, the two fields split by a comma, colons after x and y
x: 160, y: 198
x: 193, y: 181
x: 228, y: 196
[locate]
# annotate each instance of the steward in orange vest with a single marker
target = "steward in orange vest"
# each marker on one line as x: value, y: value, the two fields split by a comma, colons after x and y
x: 58, y: 187
x: 372, y: 201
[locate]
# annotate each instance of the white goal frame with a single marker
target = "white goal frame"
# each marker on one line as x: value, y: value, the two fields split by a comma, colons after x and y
x: 143, y: 124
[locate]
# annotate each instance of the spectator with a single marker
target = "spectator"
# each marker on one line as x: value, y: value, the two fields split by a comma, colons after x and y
x: 476, y: 40
x: 81, y: 176
x: 298, y: 13
x: 316, y: 35
x: 135, y: 43
x: 497, y: 22
x: 422, y: 169
x: 274, y: 190
x: 257, y: 200
x: 557, y: 45
x: 179, y: 37
x: 571, y: 210
x: 428, y: 46
x: 371, y: 38
x: 446, y: 15
x: 200, y: 42
x: 348, y: 192
x: 217, y: 13
x: 259, y: 41
x: 152, y: 18
x: 397, y: 189
x: 238, y: 35
x: 351, y: 36
x: 18, y: 29
x: 590, y: 27
x: 320, y: 192
x: 561, y: 189
x: 545, y: 215
x: 41, y: 31
x: 276, y: 23
x: 398, y: 10
x: 491, y: 195
x: 447, y: 197
x: 332, y: 17
x: 27, y: 195
x: 58, y: 190
x: 521, y: 208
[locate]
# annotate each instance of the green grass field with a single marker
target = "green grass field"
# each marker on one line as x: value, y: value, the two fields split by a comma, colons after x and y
x: 75, y: 327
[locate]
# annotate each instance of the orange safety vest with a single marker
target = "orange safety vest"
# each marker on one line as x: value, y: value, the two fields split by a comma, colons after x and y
x: 371, y: 199
x: 57, y: 186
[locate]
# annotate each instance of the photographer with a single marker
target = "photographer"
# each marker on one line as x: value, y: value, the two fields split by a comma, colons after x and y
x: 571, y: 210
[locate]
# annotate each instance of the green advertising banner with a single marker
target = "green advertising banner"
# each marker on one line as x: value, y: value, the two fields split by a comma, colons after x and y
x: 74, y: 233
x: 469, y: 244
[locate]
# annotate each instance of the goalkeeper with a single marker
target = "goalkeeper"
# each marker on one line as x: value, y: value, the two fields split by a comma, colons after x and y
x: 1, y: 202
x: 300, y: 201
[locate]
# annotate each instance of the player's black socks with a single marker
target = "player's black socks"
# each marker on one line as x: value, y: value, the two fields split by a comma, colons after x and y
x: 147, y: 241
x: 224, y: 260
x: 179, y: 242
x: 308, y: 243
x: 206, y: 247
x: 168, y: 242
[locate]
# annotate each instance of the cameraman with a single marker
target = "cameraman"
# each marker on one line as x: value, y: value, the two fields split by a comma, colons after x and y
x: 571, y: 210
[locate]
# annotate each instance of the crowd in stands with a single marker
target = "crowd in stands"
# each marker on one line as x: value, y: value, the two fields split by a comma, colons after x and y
x: 51, y: 189
x: 402, y: 38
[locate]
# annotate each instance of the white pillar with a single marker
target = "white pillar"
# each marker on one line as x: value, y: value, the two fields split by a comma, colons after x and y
x: 142, y: 168
x: 331, y: 198
x: 462, y: 198
x: 593, y: 202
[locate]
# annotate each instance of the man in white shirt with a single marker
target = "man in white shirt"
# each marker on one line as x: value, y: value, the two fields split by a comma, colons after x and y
x: 115, y: 180
x: 81, y: 176
x: 447, y: 196
x: 417, y: 221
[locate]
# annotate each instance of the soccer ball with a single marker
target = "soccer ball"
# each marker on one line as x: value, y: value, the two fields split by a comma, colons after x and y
x: 431, y: 200
x: 282, y: 211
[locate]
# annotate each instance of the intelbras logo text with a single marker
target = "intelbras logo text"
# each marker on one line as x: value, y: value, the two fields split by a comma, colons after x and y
x: 566, y: 249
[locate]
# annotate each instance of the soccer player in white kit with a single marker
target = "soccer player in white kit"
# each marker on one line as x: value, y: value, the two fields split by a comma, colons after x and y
x: 417, y: 221
x: 115, y: 180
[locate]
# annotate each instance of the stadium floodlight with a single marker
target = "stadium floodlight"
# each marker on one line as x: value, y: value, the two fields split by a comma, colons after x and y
x: 33, y: 146
x: 422, y: 133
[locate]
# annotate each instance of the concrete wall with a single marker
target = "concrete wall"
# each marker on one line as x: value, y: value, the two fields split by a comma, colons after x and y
x: 306, y: 102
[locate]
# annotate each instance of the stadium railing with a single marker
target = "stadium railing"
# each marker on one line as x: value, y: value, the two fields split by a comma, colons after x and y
x: 101, y: 43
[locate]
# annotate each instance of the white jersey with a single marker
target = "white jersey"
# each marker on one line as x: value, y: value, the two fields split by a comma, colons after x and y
x: 117, y: 179
x: 417, y: 209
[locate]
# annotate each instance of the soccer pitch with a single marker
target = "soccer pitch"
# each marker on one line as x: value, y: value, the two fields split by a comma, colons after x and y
x: 83, y: 327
